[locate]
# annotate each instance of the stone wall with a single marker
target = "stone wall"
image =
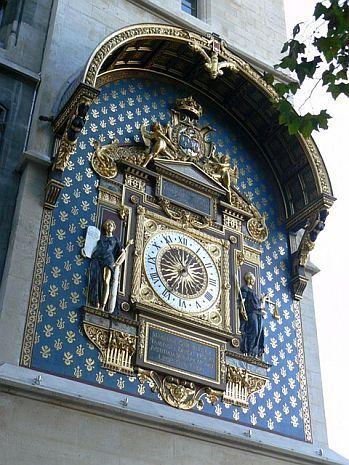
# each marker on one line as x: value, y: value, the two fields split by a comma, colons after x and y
x: 54, y: 421
x: 22, y: 40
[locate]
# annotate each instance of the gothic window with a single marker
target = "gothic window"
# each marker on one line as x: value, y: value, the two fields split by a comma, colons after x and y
x: 191, y: 7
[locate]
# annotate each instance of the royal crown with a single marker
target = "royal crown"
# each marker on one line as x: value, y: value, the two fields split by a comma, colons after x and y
x: 189, y: 105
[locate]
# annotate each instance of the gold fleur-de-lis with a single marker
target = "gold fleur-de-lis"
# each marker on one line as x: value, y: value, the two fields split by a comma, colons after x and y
x: 89, y: 364
x: 73, y: 316
x: 70, y: 337
x: 48, y: 330
x: 53, y: 290
x: 68, y: 358
x: 77, y: 372
x: 60, y: 323
x: 80, y: 350
x: 45, y: 351
x: 99, y: 377
x: 58, y: 344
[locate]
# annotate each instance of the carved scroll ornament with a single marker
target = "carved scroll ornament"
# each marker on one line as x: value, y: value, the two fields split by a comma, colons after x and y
x: 181, y: 394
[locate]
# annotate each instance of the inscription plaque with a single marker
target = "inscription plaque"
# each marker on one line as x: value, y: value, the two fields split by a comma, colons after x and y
x: 186, y: 197
x: 182, y: 353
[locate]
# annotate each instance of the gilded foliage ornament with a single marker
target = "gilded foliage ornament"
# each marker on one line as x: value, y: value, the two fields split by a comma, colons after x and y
x: 102, y: 160
x: 184, y: 395
x: 257, y: 227
x: 185, y: 218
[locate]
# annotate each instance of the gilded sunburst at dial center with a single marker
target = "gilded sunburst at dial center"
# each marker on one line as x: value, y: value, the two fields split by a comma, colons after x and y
x: 182, y: 271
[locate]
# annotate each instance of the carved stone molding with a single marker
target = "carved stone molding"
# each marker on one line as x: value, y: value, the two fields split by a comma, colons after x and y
x: 73, y: 117
x: 36, y: 288
x: 135, y: 182
x: 70, y: 101
x: 123, y: 36
x: 322, y: 176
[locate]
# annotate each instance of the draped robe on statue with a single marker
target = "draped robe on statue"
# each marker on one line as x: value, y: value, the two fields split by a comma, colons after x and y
x: 252, y: 341
x: 108, y: 249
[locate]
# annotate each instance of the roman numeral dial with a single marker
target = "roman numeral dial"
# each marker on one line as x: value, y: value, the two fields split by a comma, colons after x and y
x: 181, y: 272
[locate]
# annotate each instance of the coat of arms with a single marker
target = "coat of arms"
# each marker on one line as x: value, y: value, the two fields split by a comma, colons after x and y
x: 182, y: 138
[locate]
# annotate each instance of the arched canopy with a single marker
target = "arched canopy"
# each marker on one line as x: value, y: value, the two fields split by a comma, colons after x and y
x: 207, y: 65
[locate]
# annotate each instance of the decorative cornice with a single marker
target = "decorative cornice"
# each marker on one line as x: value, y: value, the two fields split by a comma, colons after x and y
x: 82, y: 92
x: 217, y: 59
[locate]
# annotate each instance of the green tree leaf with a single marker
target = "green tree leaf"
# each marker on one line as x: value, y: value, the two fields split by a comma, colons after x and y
x: 328, y: 51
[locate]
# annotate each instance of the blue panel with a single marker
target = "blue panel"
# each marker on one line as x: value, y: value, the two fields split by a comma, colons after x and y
x: 60, y: 346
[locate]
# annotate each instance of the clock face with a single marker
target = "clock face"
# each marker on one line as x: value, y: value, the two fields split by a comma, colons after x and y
x: 181, y: 272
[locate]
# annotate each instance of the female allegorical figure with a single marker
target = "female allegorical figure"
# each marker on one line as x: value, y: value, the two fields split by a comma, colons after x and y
x: 252, y: 311
x: 106, y: 259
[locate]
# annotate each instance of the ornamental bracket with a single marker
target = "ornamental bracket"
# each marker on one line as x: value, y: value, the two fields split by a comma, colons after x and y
x: 212, y: 65
x: 116, y: 347
x: 67, y: 127
x: 241, y: 383
x: 299, y: 280
x: 180, y: 394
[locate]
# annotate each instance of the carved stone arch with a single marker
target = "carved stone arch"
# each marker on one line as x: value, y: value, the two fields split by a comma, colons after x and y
x: 204, y: 62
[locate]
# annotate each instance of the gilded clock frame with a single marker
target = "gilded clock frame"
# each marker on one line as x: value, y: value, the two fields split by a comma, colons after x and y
x: 149, y: 223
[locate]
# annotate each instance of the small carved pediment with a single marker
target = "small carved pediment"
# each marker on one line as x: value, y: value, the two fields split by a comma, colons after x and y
x: 188, y: 172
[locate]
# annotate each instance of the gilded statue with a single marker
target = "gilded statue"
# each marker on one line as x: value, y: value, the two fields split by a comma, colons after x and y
x: 107, y: 256
x: 157, y: 142
x: 221, y: 170
x: 252, y: 313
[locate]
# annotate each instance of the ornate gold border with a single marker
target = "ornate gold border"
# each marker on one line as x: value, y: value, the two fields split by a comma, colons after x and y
x: 302, y: 373
x: 36, y: 287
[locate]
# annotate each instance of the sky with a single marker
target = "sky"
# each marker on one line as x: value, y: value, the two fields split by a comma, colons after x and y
x: 331, y: 255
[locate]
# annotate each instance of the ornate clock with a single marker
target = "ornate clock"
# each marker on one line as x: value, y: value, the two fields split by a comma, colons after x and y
x: 195, y: 238
x: 181, y: 272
